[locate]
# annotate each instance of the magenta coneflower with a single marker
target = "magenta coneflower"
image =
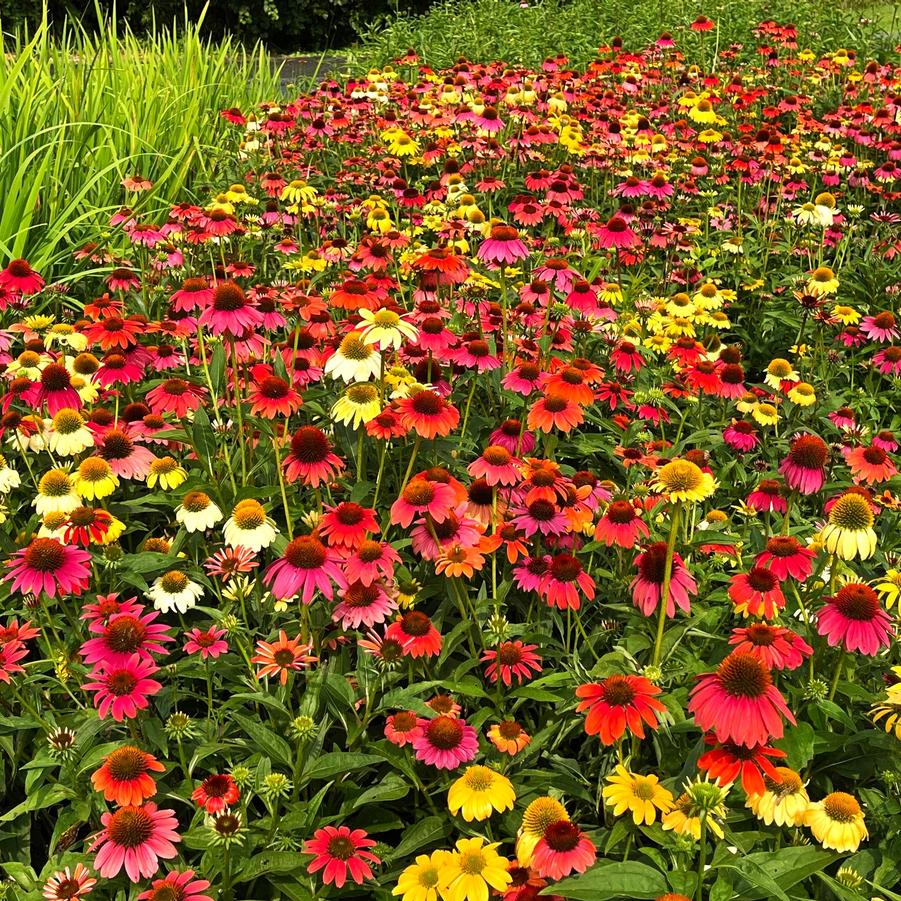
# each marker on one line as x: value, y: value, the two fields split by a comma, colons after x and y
x: 445, y: 742
x: 881, y: 327
x: 341, y: 852
x: 741, y: 435
x: 177, y: 886
x: 767, y: 497
x: 229, y: 311
x: 502, y: 247
x: 421, y: 496
x: 563, y: 849
x: 756, y: 592
x: 888, y: 360
x: 775, y: 646
x: 854, y: 617
x: 125, y: 634
x: 363, y: 605
x: 496, y: 465
x: 369, y: 561
x: 55, y: 390
x: 310, y: 458
x: 804, y: 468
x: 135, y: 837
x: 509, y: 659
x: 739, y: 702
x: 617, y: 234
x: 123, y: 689
x: 50, y: 567
x: 306, y: 566
x: 18, y: 276
x: 647, y: 586
x: 787, y: 558
x: 621, y: 525
x: 206, y: 642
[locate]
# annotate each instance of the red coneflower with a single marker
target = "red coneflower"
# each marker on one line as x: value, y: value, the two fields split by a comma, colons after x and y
x: 428, y: 415
x: 271, y: 396
x: 727, y: 761
x: 216, y: 793
x: 756, y: 592
x: 135, y: 837
x: 775, y: 646
x: 311, y: 459
x: 618, y: 703
x: 564, y: 581
x: 805, y: 466
x: 124, y: 777
x: 786, y: 557
x: 739, y: 703
x: 854, y: 617
x: 341, y: 852
x: 416, y: 633
x: 509, y: 659
x: 621, y: 525
x: 18, y: 276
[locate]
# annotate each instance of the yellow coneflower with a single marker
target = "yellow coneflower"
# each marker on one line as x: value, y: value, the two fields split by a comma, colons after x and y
x: 421, y: 880
x: 845, y: 315
x: 779, y: 371
x: 889, y: 708
x: 355, y: 360
x: 643, y: 796
x: 167, y: 473
x: 475, y: 867
x: 357, y: 405
x: 700, y: 798
x: 802, y: 394
x: 95, y: 479
x: 765, y: 414
x: 822, y: 282
x: 56, y: 493
x: 684, y: 482
x: 784, y: 803
x: 889, y: 587
x: 540, y: 814
x: 837, y: 822
x: 479, y: 792
x: 849, y: 531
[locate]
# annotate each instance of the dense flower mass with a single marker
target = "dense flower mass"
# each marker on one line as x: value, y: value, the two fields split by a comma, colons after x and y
x: 490, y: 483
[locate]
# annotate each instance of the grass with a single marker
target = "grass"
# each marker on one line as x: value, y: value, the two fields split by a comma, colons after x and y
x: 81, y: 111
x: 485, y: 30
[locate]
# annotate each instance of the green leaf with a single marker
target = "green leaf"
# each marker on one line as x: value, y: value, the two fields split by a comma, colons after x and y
x: 772, y: 873
x: 426, y: 831
x: 612, y: 879
x: 337, y: 762
x: 271, y: 862
x: 217, y: 369
x: 42, y: 797
x: 391, y: 788
x: 202, y: 437
x: 265, y: 740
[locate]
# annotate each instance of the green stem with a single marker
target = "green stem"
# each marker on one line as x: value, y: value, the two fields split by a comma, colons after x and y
x: 836, y: 676
x: 667, y: 578
x: 702, y: 859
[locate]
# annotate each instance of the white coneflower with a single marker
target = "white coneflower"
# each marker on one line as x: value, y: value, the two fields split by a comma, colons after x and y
x: 249, y: 527
x: 197, y: 512
x: 9, y: 478
x: 68, y: 433
x: 354, y: 360
x: 174, y: 591
x: 56, y: 493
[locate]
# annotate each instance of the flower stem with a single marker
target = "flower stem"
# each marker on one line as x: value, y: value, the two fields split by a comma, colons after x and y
x: 702, y: 859
x: 667, y: 578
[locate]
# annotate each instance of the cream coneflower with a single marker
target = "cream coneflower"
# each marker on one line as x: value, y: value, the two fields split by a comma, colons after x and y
x: 849, y: 532
x: 386, y: 328
x: 56, y: 493
x: 355, y: 360
x: 68, y: 433
x: 784, y: 803
x: 249, y: 526
x: 779, y: 371
x: 197, y: 512
x: 174, y: 591
x: 837, y: 822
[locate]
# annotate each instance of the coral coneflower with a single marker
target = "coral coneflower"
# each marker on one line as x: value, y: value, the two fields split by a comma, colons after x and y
x: 177, y: 886
x: 216, y: 793
x: 421, y: 496
x: 311, y: 459
x: 340, y: 853
x: 619, y: 703
x: 726, y: 762
x: 124, y: 777
x: 135, y: 838
x: 427, y: 414
x: 739, y: 702
x: 854, y: 617
x: 347, y: 525
x: 565, y: 582
x: 870, y: 465
x: 282, y: 657
x: 402, y: 728
x: 775, y: 646
x: 787, y: 558
x: 416, y: 633
x: 511, y: 659
x: 563, y: 849
x: 509, y: 737
x: 621, y: 525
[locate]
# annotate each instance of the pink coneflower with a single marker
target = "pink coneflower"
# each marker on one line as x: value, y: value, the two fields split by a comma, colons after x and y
x: 621, y: 525
x: 402, y: 728
x: 206, y: 642
x: 416, y: 633
x: 502, y: 247
x: 175, y: 396
x: 843, y: 418
x: 732, y: 381
x: 347, y: 525
x: 804, y: 468
x: 870, y: 465
x: 854, y: 617
x: 728, y: 762
x: 565, y: 582
x: 135, y: 837
x: 48, y: 566
x: 369, y: 561
x: 496, y: 465
x: 305, y: 567
x: 193, y: 294
x: 108, y: 605
x: 271, y: 396
x: 647, y: 586
x: 230, y: 312
x: 739, y: 702
x: 126, y: 459
x: 767, y: 497
x: 19, y: 277
x: 69, y: 884
x: 55, y: 390
x: 216, y: 793
x: 177, y: 886
x: 311, y: 459
x: 775, y: 646
x: 445, y: 742
x: 882, y: 327
x: 541, y: 516
x: 886, y: 440
x: 420, y: 497
x: 363, y: 605
x: 11, y: 652
x: 123, y: 689
x: 523, y: 379
x: 229, y: 562
x: 787, y: 557
x: 340, y: 852
x: 512, y: 435
x: 617, y: 234
x: 563, y: 849
x: 511, y: 659
x: 741, y: 435
x: 888, y: 360
x: 756, y: 592
x: 123, y: 635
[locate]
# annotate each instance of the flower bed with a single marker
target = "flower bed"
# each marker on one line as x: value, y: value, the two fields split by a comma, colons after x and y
x: 490, y: 492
